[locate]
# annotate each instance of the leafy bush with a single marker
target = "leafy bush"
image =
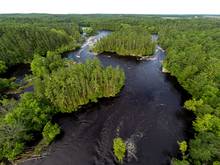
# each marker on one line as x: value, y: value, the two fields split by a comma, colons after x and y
x: 12, y: 140
x: 183, y: 148
x: 50, y: 131
x: 3, y: 67
x: 119, y: 149
x: 20, y: 123
x: 179, y: 162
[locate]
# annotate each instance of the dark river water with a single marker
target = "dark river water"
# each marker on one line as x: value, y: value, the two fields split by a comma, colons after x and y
x: 147, y: 114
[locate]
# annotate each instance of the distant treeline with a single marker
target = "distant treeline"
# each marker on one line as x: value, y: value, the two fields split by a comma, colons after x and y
x: 23, y: 36
x: 21, y: 39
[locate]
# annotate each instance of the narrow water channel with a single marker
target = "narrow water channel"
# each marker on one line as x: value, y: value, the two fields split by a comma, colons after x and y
x: 147, y: 114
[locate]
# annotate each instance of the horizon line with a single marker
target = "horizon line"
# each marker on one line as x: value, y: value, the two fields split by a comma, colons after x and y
x: 114, y: 13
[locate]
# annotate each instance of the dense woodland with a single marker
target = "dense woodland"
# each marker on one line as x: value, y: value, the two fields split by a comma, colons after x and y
x: 128, y: 41
x: 78, y: 84
x: 19, y: 42
x: 22, y: 37
x: 193, y: 57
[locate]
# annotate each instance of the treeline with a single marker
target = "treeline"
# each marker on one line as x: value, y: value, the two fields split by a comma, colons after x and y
x: 70, y: 87
x: 193, y: 56
x: 129, y: 40
x: 18, y: 43
x: 22, y: 36
x: 59, y: 86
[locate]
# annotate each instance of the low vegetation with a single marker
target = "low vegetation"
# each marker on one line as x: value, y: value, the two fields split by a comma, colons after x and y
x: 119, y: 149
x: 50, y: 131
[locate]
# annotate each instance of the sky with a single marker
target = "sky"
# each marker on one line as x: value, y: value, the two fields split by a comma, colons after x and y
x: 111, y: 6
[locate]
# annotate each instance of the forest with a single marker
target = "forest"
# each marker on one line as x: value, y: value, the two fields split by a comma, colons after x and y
x: 60, y: 86
x: 128, y: 41
x: 20, y: 41
x: 23, y: 37
x: 193, y: 58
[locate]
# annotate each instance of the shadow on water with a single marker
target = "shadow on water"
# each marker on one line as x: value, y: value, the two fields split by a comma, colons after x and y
x: 18, y: 71
x: 147, y: 114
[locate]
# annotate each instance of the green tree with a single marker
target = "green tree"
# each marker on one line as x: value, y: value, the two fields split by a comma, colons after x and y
x: 50, y: 131
x: 119, y: 149
x: 183, y: 148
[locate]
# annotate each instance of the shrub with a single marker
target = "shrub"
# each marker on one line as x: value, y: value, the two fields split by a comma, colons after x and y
x: 119, y: 148
x: 50, y: 131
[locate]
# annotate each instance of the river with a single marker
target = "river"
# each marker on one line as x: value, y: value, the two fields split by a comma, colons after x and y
x: 148, y: 114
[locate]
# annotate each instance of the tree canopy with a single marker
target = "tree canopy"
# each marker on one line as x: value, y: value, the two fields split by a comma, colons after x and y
x: 129, y: 40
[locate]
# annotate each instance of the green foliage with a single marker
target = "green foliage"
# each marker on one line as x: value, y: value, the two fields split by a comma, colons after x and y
x: 70, y: 87
x: 119, y: 149
x: 193, y: 57
x: 33, y: 113
x: 41, y: 66
x: 12, y: 137
x: 206, y: 123
x: 179, y: 162
x: 205, y: 147
x: 193, y: 104
x: 89, y: 31
x: 18, y: 125
x: 3, y: 67
x: 183, y: 148
x: 50, y: 131
x: 216, y: 163
x: 5, y: 84
x: 129, y: 40
x: 21, y: 39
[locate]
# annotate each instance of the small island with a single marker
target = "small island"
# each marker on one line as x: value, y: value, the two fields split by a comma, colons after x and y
x: 127, y: 41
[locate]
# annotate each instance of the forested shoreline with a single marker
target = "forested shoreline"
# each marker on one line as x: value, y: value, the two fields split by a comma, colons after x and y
x: 60, y: 86
x: 193, y: 57
x: 128, y: 41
